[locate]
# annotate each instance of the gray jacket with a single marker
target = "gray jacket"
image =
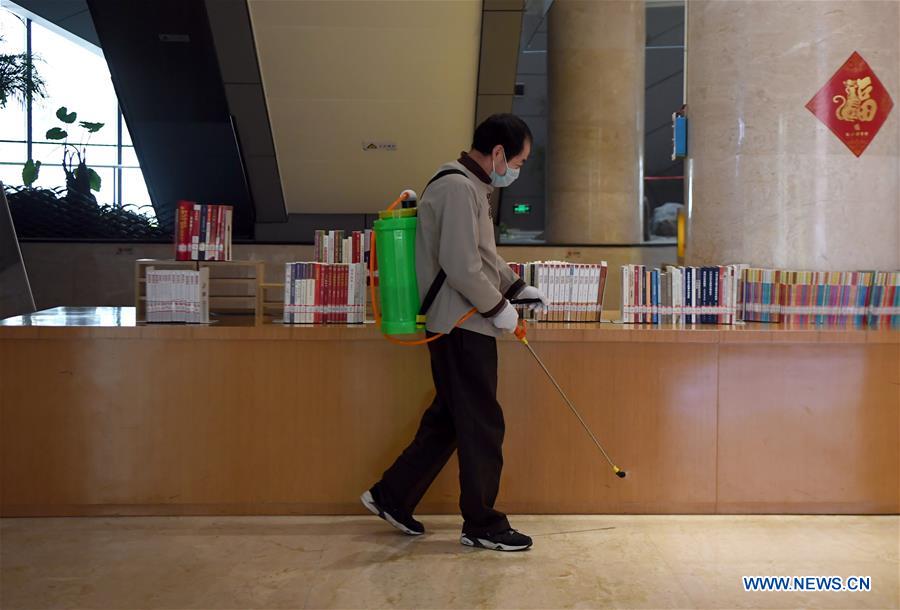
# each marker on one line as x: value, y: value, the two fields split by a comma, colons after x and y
x: 455, y: 233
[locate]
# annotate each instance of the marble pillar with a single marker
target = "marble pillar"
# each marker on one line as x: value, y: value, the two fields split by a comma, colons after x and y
x: 595, y: 64
x: 769, y: 183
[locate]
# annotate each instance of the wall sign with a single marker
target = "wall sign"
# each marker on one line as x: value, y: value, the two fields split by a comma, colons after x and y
x: 370, y: 146
x: 853, y: 104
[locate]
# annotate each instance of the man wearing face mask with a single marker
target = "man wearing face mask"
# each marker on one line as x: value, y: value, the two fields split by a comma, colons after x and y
x: 455, y: 238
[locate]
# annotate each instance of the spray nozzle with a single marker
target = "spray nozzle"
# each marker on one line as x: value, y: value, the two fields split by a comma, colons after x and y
x: 521, y: 329
x: 407, y: 195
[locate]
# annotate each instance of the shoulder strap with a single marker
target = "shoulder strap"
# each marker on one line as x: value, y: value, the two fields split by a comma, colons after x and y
x: 441, y: 276
x: 446, y: 172
x: 430, y: 296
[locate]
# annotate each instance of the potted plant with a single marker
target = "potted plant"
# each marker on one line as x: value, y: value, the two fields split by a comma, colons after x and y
x: 80, y: 179
x: 19, y: 78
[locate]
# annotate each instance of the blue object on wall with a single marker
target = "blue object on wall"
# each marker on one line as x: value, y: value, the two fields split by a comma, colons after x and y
x: 679, y: 136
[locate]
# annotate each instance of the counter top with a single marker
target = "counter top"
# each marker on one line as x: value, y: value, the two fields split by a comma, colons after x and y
x: 119, y: 322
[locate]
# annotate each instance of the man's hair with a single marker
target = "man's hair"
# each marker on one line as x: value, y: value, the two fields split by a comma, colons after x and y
x: 507, y: 130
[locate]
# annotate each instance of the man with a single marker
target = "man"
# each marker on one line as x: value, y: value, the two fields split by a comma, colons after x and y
x: 456, y: 234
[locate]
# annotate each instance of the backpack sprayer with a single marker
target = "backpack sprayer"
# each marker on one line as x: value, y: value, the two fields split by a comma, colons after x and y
x: 394, y: 244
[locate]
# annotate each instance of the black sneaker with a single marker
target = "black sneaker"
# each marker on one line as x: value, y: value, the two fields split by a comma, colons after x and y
x: 404, y: 523
x: 509, y: 540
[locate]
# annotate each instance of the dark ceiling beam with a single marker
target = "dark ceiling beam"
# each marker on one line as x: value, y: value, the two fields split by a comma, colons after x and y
x: 232, y: 32
x: 165, y: 70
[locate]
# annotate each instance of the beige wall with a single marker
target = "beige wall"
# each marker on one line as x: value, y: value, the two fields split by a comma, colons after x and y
x: 103, y: 274
x: 339, y: 72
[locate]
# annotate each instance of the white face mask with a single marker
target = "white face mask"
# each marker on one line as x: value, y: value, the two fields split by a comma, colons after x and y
x: 505, y: 179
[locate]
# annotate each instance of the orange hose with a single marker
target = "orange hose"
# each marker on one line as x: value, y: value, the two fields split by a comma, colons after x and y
x: 403, y: 197
x: 372, y: 253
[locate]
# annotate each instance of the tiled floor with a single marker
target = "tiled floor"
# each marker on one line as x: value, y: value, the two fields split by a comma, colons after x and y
x: 358, y: 562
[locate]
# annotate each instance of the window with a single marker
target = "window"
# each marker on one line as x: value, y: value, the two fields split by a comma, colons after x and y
x: 13, y: 126
x: 77, y: 77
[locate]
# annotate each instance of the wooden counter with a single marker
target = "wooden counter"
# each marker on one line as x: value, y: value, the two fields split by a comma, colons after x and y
x: 102, y: 416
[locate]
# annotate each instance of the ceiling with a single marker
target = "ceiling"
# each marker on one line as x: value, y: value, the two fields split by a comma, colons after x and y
x: 71, y: 16
x: 337, y: 74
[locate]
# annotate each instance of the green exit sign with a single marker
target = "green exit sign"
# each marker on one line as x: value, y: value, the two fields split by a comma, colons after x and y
x: 522, y: 208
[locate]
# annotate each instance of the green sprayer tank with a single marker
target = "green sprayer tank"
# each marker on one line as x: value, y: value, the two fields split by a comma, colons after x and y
x: 395, y: 244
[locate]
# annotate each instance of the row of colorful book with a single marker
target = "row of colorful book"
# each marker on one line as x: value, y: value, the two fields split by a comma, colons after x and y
x: 693, y: 295
x: 884, y: 304
x: 177, y: 296
x: 725, y: 294
x: 336, y: 247
x: 203, y: 232
x: 575, y: 291
x: 324, y: 293
x: 821, y: 297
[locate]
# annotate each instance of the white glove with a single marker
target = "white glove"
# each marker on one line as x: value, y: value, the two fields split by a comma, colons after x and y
x: 530, y: 292
x: 507, y: 319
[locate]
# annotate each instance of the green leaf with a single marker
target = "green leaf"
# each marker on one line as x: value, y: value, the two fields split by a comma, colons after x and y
x: 57, y: 134
x: 65, y: 116
x: 95, y: 180
x: 92, y: 127
x: 93, y: 177
x: 30, y: 172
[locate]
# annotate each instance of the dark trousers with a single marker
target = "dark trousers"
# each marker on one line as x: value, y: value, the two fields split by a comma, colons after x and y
x: 464, y: 416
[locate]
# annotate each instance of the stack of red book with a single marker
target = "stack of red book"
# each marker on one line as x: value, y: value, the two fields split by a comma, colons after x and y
x: 203, y: 232
x: 325, y: 293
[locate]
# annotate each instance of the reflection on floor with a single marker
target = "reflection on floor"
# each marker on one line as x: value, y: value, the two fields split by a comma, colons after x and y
x: 358, y: 562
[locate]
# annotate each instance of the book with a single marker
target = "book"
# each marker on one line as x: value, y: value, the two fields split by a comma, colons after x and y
x: 177, y: 296
x: 210, y: 233
x: 683, y: 295
x: 201, y: 240
x: 210, y: 226
x: 217, y: 233
x: 352, y: 291
x: 574, y: 290
x: 228, y: 219
x: 807, y: 297
x: 195, y: 233
x: 289, y: 297
x: 203, y: 231
x: 325, y: 293
x: 182, y: 230
x: 335, y: 246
